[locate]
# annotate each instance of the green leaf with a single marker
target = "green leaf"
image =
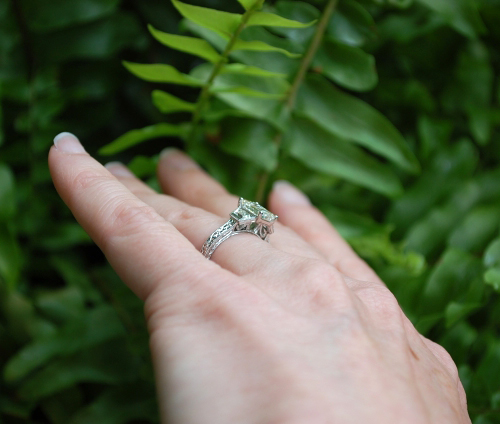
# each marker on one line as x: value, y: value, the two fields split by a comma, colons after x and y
x: 349, y: 224
x: 251, y: 140
x: 271, y: 61
x: 92, y: 328
x: 248, y: 4
x: 456, y: 311
x: 260, y: 46
x: 109, y: 362
x: 143, y: 166
x: 223, y: 23
x: 270, y: 19
x: 191, y: 45
x: 220, y: 110
x: 492, y: 255
x: 492, y: 277
x: 239, y: 68
x: 352, y: 119
x: 7, y: 193
x: 268, y: 109
x: 246, y: 91
x: 161, y: 73
x: 462, y: 15
x: 477, y: 229
x: 135, y: 137
x: 43, y: 17
x: 351, y: 24
x: 449, y: 166
x: 62, y: 236
x: 488, y: 371
x: 70, y: 270
x: 61, y: 305
x: 455, y: 278
x: 321, y: 151
x: 378, y: 246
x: 123, y: 404
x: 429, y: 234
x: 167, y: 103
x: 348, y: 66
x: 298, y: 11
x: 471, y: 89
x: 100, y: 39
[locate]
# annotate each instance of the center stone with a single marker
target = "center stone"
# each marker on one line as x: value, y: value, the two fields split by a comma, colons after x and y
x: 250, y: 210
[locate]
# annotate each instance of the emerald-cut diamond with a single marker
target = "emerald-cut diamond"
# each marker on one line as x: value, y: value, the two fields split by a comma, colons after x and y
x: 251, y: 210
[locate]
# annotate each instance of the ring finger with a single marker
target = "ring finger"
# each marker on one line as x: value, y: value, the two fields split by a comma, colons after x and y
x: 197, y: 224
x: 182, y: 178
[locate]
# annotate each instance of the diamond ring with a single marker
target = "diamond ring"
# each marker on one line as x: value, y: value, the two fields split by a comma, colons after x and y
x: 248, y: 217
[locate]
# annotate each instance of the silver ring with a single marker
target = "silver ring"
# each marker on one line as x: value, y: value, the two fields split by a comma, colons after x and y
x: 248, y: 217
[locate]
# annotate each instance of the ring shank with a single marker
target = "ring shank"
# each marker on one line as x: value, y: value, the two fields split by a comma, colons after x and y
x: 248, y: 217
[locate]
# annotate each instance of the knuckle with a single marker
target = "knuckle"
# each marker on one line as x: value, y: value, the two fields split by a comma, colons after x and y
x: 87, y: 178
x: 383, y: 309
x: 185, y: 215
x: 317, y: 270
x: 128, y: 220
x: 443, y: 357
x: 323, y: 285
x: 380, y: 300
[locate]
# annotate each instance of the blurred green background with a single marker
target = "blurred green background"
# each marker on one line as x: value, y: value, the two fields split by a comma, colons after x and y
x: 73, y: 343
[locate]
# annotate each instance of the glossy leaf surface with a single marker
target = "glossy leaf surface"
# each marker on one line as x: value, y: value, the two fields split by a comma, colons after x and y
x: 348, y: 66
x: 192, y: 45
x: 352, y: 119
x: 321, y: 151
x: 135, y: 137
x: 270, y: 19
x: 223, y: 23
x: 161, y: 73
x: 167, y: 103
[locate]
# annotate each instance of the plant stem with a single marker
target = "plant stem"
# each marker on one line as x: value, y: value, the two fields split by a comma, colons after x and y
x: 205, y: 91
x: 291, y: 96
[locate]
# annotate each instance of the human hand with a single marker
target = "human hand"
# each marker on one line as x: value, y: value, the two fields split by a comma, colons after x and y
x: 299, y: 330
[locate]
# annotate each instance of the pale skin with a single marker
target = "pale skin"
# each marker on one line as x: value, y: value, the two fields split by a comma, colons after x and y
x: 296, y: 331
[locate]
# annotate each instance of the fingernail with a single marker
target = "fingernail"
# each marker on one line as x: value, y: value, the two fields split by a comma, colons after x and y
x: 68, y: 143
x: 175, y: 159
x: 118, y: 169
x: 289, y: 194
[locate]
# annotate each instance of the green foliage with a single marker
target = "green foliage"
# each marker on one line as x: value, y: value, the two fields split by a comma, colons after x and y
x: 291, y: 100
x: 255, y: 91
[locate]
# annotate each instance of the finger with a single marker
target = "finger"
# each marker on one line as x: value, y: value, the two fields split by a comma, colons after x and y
x: 182, y: 178
x: 301, y: 283
x: 197, y: 224
x: 295, y: 211
x: 143, y: 248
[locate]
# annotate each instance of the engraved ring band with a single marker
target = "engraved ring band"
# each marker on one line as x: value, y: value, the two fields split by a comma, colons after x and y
x: 248, y: 217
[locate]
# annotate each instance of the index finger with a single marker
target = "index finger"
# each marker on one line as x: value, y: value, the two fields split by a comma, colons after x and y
x: 141, y: 246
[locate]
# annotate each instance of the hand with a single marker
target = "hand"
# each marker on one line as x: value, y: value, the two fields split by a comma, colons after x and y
x: 300, y: 330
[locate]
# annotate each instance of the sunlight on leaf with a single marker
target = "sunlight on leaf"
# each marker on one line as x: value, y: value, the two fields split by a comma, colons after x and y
x: 161, y: 73
x: 195, y: 46
x: 260, y: 46
x: 270, y: 19
x: 135, y: 137
x: 167, y: 103
x: 223, y: 23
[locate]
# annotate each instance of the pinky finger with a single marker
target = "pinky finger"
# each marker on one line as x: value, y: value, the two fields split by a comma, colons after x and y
x: 295, y: 211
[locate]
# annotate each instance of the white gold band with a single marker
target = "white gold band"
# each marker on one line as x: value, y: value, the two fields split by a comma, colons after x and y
x: 249, y: 217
